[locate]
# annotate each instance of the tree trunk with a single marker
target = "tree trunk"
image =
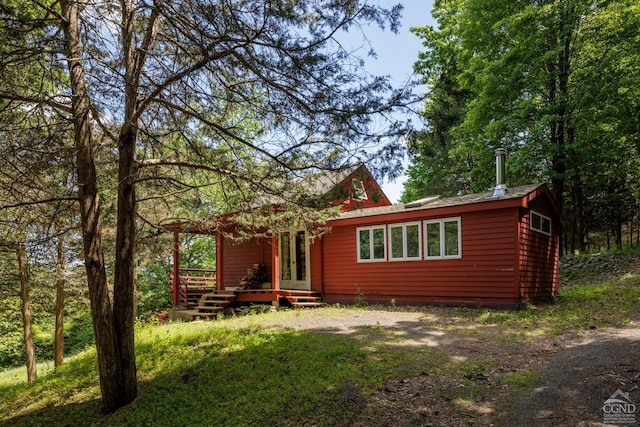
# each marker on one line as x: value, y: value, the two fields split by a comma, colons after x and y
x: 124, y: 271
x: 58, y: 348
x: 561, y: 126
x: 124, y: 283
x: 29, y: 349
x: 109, y: 360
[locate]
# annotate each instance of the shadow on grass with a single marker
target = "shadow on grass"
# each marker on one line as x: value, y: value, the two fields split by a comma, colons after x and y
x: 71, y: 414
x: 261, y: 378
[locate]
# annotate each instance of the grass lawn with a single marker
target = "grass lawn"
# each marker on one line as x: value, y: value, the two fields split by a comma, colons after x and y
x: 248, y: 371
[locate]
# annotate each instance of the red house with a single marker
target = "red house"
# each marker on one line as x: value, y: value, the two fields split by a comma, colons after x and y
x: 498, y: 248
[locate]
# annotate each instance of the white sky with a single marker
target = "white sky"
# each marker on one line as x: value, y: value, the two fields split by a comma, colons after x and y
x: 396, y: 54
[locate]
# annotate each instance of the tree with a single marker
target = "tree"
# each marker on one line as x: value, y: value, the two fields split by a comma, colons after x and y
x: 434, y: 170
x: 26, y: 313
x: 58, y: 351
x: 541, y: 79
x: 188, y: 75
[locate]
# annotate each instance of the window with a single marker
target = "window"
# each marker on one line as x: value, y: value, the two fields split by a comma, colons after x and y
x: 357, y: 189
x: 540, y: 223
x: 372, y: 244
x: 442, y: 238
x: 405, y: 241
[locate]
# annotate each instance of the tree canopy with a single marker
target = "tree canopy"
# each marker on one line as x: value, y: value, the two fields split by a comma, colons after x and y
x: 200, y: 102
x: 551, y: 82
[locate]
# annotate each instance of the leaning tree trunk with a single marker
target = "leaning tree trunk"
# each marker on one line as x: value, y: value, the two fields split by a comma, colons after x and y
x: 58, y: 346
x: 109, y: 361
x: 29, y: 348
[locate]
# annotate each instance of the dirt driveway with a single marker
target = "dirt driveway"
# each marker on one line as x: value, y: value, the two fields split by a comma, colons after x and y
x: 505, y: 380
x: 577, y: 380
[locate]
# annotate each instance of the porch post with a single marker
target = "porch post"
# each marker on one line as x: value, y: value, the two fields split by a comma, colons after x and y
x: 176, y: 268
x: 275, y: 263
x: 219, y: 260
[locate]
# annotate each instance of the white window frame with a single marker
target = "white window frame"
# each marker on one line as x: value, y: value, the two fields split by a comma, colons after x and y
x: 404, y: 256
x: 441, y: 222
x: 542, y: 219
x: 358, y: 192
x: 371, y: 229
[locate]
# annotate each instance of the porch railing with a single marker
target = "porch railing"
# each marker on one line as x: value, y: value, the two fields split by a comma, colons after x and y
x: 192, y: 284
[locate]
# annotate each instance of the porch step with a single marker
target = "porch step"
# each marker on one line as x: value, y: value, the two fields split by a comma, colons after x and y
x: 215, y: 299
x: 311, y: 300
x: 209, y: 306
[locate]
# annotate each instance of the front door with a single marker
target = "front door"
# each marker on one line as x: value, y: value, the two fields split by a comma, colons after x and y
x: 294, y: 260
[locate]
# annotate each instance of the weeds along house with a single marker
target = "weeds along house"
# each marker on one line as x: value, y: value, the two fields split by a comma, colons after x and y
x: 498, y: 248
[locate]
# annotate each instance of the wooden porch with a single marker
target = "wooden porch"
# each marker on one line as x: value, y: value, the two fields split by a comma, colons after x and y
x: 196, y: 295
x: 213, y: 303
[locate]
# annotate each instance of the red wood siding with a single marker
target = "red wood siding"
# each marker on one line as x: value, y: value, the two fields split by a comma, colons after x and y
x: 315, y: 258
x: 486, y: 273
x: 538, y: 255
x: 240, y: 256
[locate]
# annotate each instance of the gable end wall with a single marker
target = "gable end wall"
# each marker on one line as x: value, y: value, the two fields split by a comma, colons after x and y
x: 538, y: 255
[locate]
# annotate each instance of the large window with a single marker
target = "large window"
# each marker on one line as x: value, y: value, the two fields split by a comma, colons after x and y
x: 405, y: 241
x: 540, y: 223
x: 442, y: 238
x: 372, y: 244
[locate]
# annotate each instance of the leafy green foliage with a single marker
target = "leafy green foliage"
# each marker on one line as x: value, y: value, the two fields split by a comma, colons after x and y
x: 550, y: 81
x: 153, y: 277
x: 153, y: 290
x: 78, y: 335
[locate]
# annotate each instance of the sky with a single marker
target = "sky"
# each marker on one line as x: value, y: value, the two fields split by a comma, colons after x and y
x: 396, y: 54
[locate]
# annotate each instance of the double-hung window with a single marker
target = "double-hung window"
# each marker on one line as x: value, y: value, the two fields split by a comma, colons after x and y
x: 372, y: 243
x: 405, y: 241
x: 442, y: 238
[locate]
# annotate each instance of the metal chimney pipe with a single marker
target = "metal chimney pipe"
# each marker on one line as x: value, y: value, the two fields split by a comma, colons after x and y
x: 501, y: 186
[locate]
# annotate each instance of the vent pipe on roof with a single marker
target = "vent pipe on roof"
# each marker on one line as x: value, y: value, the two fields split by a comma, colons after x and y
x: 501, y: 186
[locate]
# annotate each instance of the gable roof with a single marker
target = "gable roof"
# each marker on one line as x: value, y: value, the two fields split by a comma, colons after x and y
x: 476, y: 201
x: 324, y: 182
x: 332, y: 187
x: 313, y: 190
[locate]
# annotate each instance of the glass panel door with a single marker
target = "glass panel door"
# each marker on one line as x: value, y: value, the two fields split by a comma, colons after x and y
x: 294, y: 261
x: 285, y: 256
x: 300, y: 256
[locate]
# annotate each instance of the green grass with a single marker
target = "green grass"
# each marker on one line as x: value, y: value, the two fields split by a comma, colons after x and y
x: 242, y: 372
x: 209, y: 374
x: 609, y: 302
x: 525, y: 379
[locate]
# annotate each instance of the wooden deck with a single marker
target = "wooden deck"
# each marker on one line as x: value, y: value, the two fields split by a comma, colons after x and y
x: 196, y: 295
x: 213, y: 303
